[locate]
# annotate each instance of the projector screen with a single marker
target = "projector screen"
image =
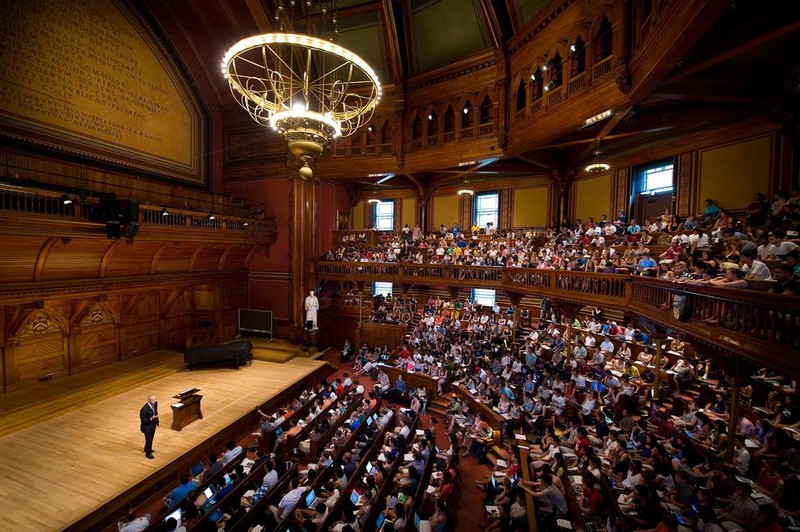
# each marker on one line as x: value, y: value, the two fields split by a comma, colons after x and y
x: 257, y: 321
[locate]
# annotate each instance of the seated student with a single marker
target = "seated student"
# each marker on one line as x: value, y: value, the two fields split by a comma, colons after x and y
x: 177, y: 495
x: 549, y: 499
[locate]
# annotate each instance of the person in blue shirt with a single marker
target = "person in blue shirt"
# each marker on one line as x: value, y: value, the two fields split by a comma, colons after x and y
x: 634, y: 228
x: 399, y: 389
x: 646, y: 262
x: 711, y: 209
x: 177, y: 495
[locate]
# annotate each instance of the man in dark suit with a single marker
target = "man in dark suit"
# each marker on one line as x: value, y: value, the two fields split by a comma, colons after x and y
x: 148, y: 417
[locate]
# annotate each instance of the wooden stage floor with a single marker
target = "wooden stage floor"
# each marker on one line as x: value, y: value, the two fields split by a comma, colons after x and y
x: 57, y: 471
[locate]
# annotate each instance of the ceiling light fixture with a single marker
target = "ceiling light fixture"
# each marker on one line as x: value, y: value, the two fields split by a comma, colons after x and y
x: 308, y: 89
x: 466, y: 190
x: 597, y: 165
x: 211, y: 215
x: 66, y: 200
x: 164, y: 211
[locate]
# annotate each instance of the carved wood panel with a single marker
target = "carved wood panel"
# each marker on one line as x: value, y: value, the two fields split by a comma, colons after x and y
x: 36, y: 356
x: 94, y: 344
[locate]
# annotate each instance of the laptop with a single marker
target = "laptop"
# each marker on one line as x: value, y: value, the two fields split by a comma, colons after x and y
x: 209, y: 492
x: 196, y: 469
x: 370, y: 467
x: 355, y: 498
x: 311, y: 498
x: 277, y: 432
x: 380, y: 521
x: 215, y: 516
x: 175, y: 515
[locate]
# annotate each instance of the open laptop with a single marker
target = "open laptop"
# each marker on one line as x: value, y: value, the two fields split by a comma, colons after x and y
x: 277, y: 432
x: 175, y: 515
x: 355, y: 498
x: 215, y: 516
x: 196, y: 469
x: 311, y: 498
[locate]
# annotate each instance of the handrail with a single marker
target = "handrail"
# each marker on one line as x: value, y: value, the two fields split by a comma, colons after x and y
x: 745, y: 322
x: 27, y: 200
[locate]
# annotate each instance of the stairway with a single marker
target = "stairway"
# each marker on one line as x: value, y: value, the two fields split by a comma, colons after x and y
x: 439, y: 405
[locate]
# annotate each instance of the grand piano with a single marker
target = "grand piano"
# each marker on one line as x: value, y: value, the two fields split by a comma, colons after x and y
x: 237, y: 353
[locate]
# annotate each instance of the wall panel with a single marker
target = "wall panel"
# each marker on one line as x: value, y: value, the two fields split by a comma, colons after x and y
x: 445, y: 211
x: 529, y: 207
x: 409, y: 212
x: 593, y: 197
x: 731, y: 174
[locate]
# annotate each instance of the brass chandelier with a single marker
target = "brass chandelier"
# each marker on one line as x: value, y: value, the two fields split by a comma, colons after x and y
x: 308, y: 89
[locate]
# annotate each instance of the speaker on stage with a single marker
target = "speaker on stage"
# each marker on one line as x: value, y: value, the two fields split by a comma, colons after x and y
x: 129, y: 230
x: 113, y: 229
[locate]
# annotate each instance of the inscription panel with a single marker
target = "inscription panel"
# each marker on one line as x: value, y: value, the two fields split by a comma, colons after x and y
x: 79, y: 75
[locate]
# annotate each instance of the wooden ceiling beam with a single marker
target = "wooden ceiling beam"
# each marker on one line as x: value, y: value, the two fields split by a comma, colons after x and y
x: 260, y: 16
x: 735, y: 51
x: 393, y: 52
x: 492, y: 24
x: 586, y: 151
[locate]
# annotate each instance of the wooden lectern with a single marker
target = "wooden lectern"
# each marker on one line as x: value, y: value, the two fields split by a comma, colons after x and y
x: 187, y: 409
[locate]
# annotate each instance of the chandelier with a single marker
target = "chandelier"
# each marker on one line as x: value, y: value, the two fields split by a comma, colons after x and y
x: 597, y: 166
x: 308, y: 89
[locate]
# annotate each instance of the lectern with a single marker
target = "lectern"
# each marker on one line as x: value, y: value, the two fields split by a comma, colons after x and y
x: 187, y: 409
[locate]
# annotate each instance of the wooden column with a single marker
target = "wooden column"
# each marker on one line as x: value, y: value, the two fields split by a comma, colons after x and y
x: 530, y: 502
x: 568, y: 340
x: 657, y: 381
x: 732, y: 419
x: 302, y: 248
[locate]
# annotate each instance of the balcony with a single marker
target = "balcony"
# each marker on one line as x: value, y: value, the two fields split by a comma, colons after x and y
x: 156, y: 222
x: 755, y: 326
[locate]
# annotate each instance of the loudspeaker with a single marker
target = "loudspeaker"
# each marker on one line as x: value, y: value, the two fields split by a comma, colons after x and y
x: 129, y: 230
x: 113, y: 229
x: 128, y: 210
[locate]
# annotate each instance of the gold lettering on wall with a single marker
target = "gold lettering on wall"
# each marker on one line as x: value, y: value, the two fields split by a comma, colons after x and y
x: 78, y: 71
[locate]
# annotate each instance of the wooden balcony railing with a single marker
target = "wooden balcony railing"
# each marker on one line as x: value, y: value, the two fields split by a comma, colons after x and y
x: 602, y: 68
x: 46, y: 203
x: 554, y: 96
x: 576, y: 83
x: 762, y: 328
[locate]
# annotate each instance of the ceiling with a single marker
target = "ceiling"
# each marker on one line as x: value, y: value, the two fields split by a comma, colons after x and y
x: 745, y: 66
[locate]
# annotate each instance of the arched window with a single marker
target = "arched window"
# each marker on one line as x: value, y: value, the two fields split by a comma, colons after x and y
x: 603, y: 41
x: 486, y: 110
x: 522, y: 95
x: 433, y: 124
x: 370, y: 141
x: 537, y: 84
x: 386, y: 134
x: 466, y: 116
x: 416, y: 128
x: 555, y: 68
x: 577, y: 58
x: 449, y: 120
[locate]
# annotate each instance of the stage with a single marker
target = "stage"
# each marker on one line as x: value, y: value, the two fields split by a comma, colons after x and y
x: 56, y: 472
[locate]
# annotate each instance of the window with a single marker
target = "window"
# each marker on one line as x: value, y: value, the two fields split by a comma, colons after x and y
x: 487, y: 206
x: 656, y: 178
x: 384, y: 215
x: 483, y: 296
x: 382, y: 289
